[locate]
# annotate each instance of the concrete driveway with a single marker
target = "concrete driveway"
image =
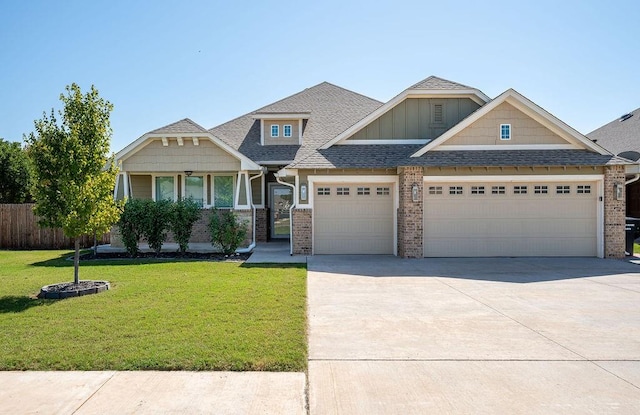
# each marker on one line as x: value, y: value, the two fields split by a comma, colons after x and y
x: 473, y: 336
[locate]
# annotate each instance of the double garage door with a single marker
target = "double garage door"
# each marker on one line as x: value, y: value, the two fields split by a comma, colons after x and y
x: 462, y: 219
x: 510, y: 219
x: 353, y: 218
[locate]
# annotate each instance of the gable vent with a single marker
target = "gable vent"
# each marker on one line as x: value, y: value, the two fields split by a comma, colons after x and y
x: 437, y: 113
x: 625, y: 117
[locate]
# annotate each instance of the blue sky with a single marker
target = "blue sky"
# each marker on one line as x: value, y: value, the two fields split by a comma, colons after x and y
x: 211, y: 61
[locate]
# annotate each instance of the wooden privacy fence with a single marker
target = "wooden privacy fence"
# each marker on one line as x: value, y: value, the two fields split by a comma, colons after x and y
x: 19, y: 230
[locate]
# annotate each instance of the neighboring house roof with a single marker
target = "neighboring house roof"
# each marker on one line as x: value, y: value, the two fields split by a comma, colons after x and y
x: 525, y: 105
x: 185, y: 125
x: 390, y: 156
x: 331, y: 110
x: 621, y: 134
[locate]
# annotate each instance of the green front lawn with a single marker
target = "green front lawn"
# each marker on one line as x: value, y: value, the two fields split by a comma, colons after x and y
x: 158, y: 315
x: 636, y: 248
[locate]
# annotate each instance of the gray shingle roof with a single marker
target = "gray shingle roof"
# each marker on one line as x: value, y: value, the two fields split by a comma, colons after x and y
x: 332, y: 110
x: 183, y: 126
x: 387, y: 156
x: 433, y: 82
x: 619, y: 136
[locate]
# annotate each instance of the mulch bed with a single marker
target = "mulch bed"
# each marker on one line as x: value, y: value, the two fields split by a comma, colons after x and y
x: 70, y: 289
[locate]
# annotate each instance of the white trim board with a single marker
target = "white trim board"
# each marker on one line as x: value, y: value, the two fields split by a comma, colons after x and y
x: 380, y: 142
x: 516, y: 178
x: 503, y: 147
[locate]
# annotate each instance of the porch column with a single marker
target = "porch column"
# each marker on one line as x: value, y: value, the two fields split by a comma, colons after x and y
x: 410, y: 212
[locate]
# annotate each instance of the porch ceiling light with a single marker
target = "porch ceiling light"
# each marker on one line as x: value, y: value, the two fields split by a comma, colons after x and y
x: 188, y: 173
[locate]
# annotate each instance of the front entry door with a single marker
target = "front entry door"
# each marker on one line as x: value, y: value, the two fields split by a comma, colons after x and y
x: 280, y: 198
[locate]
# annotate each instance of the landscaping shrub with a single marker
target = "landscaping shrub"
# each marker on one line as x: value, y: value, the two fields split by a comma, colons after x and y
x: 227, y: 230
x: 183, y: 214
x: 156, y: 223
x: 131, y: 224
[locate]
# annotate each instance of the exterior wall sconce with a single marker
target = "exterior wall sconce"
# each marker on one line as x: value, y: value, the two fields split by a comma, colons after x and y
x: 188, y: 173
x: 414, y: 193
x: 303, y: 192
x: 619, y: 188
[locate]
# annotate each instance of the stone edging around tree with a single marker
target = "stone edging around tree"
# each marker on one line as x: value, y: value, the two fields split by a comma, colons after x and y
x: 69, y: 289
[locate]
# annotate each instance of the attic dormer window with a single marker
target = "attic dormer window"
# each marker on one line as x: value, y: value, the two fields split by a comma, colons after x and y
x: 275, y: 130
x: 286, y: 130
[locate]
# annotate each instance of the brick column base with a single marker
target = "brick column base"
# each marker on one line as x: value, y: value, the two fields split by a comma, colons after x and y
x: 410, y: 225
x: 262, y: 219
x: 302, y: 232
x: 614, y: 212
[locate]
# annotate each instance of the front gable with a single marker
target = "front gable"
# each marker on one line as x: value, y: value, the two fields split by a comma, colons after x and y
x: 415, y: 119
x: 529, y: 127
x: 182, y: 146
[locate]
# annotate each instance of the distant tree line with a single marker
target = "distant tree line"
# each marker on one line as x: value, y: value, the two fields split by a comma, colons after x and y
x: 16, y: 173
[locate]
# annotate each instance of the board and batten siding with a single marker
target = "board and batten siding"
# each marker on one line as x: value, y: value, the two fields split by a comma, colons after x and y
x: 524, y: 129
x: 413, y: 119
x: 157, y: 158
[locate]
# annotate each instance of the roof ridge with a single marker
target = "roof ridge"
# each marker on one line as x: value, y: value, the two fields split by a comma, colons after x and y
x: 433, y: 77
x: 289, y: 97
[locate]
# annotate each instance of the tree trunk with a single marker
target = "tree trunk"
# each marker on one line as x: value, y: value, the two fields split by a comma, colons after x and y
x: 76, y: 262
x: 95, y: 244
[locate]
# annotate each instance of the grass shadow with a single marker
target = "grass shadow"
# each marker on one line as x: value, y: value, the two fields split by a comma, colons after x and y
x: 18, y: 304
x: 272, y: 265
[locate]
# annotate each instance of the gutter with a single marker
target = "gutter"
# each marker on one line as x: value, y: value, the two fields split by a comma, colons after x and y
x: 295, y: 201
x: 634, y: 179
x: 253, y: 209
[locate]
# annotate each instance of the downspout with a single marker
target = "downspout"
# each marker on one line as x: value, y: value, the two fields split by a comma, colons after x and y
x: 634, y: 179
x: 295, y: 201
x: 253, y: 209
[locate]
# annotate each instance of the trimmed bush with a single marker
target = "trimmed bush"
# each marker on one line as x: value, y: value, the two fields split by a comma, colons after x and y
x: 183, y: 214
x: 227, y: 231
x: 131, y: 224
x: 156, y: 223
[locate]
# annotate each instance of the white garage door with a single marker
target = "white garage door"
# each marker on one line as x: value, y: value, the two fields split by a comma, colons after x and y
x: 353, y: 218
x: 510, y: 219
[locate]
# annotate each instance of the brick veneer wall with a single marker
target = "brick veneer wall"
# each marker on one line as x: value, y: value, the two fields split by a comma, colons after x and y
x: 200, y: 232
x: 410, y: 224
x: 302, y: 232
x: 262, y: 219
x: 614, y: 213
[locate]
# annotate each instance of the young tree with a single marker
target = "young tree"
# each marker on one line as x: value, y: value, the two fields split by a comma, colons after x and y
x: 15, y: 173
x: 74, y: 177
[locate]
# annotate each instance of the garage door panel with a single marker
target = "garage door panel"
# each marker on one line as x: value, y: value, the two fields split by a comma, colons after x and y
x: 511, y: 224
x: 354, y: 223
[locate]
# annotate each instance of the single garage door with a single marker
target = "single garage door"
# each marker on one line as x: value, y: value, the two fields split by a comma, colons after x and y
x: 510, y: 219
x: 353, y: 218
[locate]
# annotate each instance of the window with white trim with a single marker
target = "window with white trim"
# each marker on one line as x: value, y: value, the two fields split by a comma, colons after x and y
x: 275, y: 130
x: 223, y: 191
x: 342, y: 191
x: 477, y: 190
x: 498, y: 190
x: 194, y: 189
x: 383, y: 191
x: 324, y: 191
x: 583, y: 189
x: 165, y: 188
x: 286, y: 130
x: 505, y: 131
x: 435, y: 190
x: 455, y: 190
x: 563, y: 189
x: 519, y: 190
x: 541, y: 190
x: 364, y: 191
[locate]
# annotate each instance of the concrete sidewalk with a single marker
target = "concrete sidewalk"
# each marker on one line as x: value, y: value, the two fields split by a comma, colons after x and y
x: 103, y: 393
